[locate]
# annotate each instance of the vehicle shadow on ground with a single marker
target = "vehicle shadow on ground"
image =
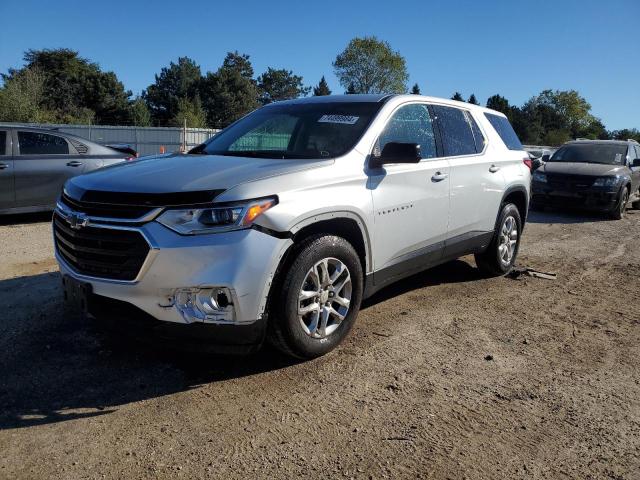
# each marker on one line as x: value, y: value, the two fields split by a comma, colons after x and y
x: 566, y: 217
x: 25, y: 218
x: 55, y: 367
x: 457, y: 271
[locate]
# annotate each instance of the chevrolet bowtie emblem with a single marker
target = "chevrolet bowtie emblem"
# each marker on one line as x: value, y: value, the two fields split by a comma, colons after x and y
x: 78, y: 220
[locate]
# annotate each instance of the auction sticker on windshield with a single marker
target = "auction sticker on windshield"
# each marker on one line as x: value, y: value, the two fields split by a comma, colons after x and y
x: 344, y: 119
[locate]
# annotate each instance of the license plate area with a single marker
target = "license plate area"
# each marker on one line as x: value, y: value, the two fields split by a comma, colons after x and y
x: 76, y: 295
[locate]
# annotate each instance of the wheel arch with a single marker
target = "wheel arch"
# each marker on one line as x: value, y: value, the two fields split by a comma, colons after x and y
x: 518, y: 195
x: 345, y: 224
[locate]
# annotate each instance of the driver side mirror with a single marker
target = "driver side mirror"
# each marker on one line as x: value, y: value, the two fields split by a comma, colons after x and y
x: 545, y: 158
x: 636, y: 162
x: 396, y: 152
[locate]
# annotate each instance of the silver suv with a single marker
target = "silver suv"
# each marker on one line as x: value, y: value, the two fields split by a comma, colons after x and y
x: 279, y: 226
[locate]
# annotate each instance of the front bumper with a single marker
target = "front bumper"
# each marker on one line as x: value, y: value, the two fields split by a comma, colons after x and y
x: 243, y: 261
x: 594, y: 199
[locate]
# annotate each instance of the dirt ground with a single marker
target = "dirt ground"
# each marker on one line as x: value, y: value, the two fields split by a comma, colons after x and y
x: 446, y: 375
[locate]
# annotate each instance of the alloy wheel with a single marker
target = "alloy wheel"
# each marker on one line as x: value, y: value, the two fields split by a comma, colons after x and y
x: 324, y: 297
x: 508, y: 240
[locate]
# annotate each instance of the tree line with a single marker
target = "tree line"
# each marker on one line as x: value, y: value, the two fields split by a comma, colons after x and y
x: 59, y: 86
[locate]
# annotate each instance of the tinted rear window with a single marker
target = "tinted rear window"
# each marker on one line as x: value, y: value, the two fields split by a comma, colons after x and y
x: 505, y: 130
x: 457, y: 137
x: 36, y: 143
x: 3, y: 143
x: 613, y: 154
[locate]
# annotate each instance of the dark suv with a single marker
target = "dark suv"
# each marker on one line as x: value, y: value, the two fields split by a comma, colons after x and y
x: 599, y: 175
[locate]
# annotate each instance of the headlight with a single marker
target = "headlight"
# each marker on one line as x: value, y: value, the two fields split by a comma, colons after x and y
x: 192, y: 221
x: 606, y: 182
x: 539, y: 177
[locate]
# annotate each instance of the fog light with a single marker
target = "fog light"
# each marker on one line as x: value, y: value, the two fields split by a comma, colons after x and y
x: 205, y: 304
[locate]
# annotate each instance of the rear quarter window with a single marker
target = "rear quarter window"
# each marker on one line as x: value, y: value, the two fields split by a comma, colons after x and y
x: 505, y: 130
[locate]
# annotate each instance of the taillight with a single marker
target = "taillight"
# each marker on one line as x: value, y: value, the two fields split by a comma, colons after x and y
x: 128, y: 159
x: 527, y: 161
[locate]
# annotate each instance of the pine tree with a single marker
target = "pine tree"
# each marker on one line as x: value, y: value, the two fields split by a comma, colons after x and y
x: 457, y: 96
x: 322, y: 88
x: 415, y: 90
x: 351, y: 89
x: 473, y: 100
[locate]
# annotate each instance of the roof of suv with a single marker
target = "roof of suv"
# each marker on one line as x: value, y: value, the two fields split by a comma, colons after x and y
x: 600, y: 142
x: 382, y: 98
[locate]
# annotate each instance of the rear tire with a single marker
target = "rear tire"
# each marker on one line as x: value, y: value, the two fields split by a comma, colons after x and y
x: 324, y: 280
x: 500, y: 256
x: 619, y: 210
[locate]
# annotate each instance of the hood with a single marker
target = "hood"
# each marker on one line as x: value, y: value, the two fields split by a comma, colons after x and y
x: 581, y: 168
x: 186, y: 173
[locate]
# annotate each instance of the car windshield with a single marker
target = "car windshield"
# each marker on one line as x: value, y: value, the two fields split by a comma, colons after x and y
x: 298, y: 130
x: 613, y: 154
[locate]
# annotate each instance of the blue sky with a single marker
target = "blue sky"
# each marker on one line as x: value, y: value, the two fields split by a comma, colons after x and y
x: 515, y: 48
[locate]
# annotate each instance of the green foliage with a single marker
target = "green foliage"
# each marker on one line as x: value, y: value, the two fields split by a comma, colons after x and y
x: 189, y: 112
x: 499, y: 103
x: 139, y: 113
x: 275, y: 85
x: 228, y: 94
x: 22, y: 98
x: 473, y: 100
x: 175, y: 82
x: 626, y: 134
x: 369, y: 65
x: 322, y: 88
x: 457, y: 96
x: 415, y: 90
x: 239, y: 62
x: 351, y: 89
x: 75, y: 90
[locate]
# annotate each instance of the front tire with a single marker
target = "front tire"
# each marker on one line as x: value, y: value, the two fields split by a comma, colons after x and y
x: 318, y: 299
x: 500, y: 256
x: 619, y: 210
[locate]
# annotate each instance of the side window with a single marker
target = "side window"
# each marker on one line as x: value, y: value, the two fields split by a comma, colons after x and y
x: 3, y: 143
x: 36, y: 143
x: 457, y: 137
x: 411, y: 124
x: 274, y: 134
x: 477, y: 133
x: 505, y: 130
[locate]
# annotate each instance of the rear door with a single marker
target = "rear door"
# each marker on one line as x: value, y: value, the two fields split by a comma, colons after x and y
x: 7, y: 187
x: 43, y: 164
x: 411, y: 201
x: 477, y: 183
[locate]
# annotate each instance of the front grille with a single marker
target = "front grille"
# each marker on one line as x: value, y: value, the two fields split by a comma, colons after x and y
x: 570, y: 182
x: 105, y: 210
x: 100, y: 252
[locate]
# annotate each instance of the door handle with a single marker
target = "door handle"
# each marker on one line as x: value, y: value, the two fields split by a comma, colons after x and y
x: 493, y: 169
x: 438, y: 177
x: 74, y: 163
x: 3, y: 166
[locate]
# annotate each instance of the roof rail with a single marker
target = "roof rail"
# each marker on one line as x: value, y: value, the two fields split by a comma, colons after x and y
x: 386, y: 97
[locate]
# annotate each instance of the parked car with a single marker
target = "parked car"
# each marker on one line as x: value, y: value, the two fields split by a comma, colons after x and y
x: 35, y: 163
x: 598, y: 175
x: 538, y: 157
x: 283, y: 222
